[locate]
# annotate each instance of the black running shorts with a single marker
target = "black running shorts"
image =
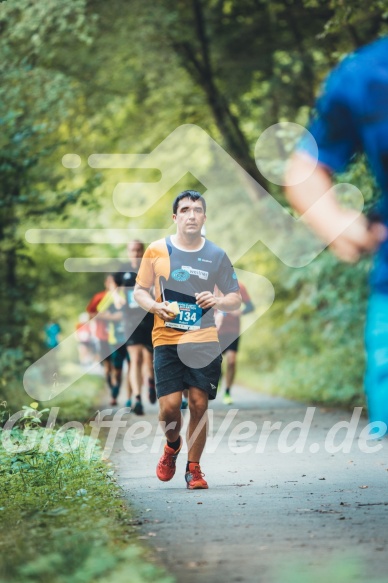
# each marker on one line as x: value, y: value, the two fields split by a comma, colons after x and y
x: 229, y: 342
x: 118, y: 357
x: 142, y: 335
x: 178, y: 367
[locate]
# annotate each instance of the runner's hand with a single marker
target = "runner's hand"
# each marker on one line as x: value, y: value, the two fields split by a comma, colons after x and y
x: 206, y: 300
x: 161, y: 309
x: 359, y: 238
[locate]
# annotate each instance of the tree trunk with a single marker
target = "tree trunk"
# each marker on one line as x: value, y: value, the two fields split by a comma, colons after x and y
x: 198, y: 64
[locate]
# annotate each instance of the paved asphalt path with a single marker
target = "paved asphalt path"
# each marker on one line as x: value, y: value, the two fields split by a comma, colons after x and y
x: 268, y: 516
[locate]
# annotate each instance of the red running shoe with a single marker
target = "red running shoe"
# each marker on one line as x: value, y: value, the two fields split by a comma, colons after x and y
x: 194, y: 478
x: 166, y: 467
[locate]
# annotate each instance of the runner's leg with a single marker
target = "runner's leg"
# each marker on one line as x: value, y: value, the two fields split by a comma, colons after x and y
x: 196, y: 440
x: 128, y: 381
x: 135, y: 376
x: 231, y: 359
x: 116, y: 382
x: 171, y: 421
x: 129, y: 387
x: 170, y: 416
x: 148, y: 373
x: 107, y: 371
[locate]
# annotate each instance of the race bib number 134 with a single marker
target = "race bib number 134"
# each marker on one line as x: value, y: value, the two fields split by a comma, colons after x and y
x: 188, y: 319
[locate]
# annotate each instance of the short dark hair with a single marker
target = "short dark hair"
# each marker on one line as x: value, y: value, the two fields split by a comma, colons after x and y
x: 192, y: 195
x: 118, y: 278
x: 136, y: 241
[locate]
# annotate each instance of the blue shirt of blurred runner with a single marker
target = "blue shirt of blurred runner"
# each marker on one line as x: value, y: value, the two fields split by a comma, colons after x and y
x: 351, y: 116
x: 52, y: 330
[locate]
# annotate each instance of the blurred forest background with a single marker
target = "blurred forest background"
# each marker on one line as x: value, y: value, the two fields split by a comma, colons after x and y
x: 90, y: 76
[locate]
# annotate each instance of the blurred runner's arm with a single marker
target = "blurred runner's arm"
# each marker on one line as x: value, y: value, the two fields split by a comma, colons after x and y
x: 218, y: 318
x: 246, y: 300
x: 109, y: 316
x: 328, y: 218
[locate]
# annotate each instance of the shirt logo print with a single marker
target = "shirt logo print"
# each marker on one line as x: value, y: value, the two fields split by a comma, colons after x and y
x: 180, y: 275
x: 201, y: 274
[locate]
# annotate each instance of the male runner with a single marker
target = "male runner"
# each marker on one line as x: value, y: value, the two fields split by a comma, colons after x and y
x: 139, y: 343
x: 351, y: 116
x: 186, y: 268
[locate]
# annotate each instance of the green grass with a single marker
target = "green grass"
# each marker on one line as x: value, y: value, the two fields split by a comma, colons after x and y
x: 63, y: 516
x: 80, y: 401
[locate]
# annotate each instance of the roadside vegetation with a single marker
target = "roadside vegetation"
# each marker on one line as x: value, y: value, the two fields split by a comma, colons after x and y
x: 63, y: 516
x: 88, y: 76
x: 173, y: 63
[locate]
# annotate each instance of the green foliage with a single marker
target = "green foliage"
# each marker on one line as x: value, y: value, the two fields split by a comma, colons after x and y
x: 79, y: 402
x: 119, y: 77
x: 63, y: 514
x: 33, y: 98
x: 309, y: 346
x: 116, y: 76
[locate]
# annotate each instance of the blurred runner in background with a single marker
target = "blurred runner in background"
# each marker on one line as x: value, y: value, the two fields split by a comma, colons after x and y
x: 52, y: 331
x: 86, y: 346
x: 111, y: 309
x: 228, y: 326
x: 101, y: 331
x: 51, y: 340
x: 352, y: 116
x: 139, y: 342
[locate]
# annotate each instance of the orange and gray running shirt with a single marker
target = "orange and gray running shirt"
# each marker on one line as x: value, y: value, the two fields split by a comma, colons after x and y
x: 178, y: 275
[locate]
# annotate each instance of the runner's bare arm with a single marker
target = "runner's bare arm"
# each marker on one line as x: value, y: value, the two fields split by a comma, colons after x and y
x: 328, y: 218
x: 218, y: 318
x: 143, y: 297
x: 115, y: 317
x: 227, y: 303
